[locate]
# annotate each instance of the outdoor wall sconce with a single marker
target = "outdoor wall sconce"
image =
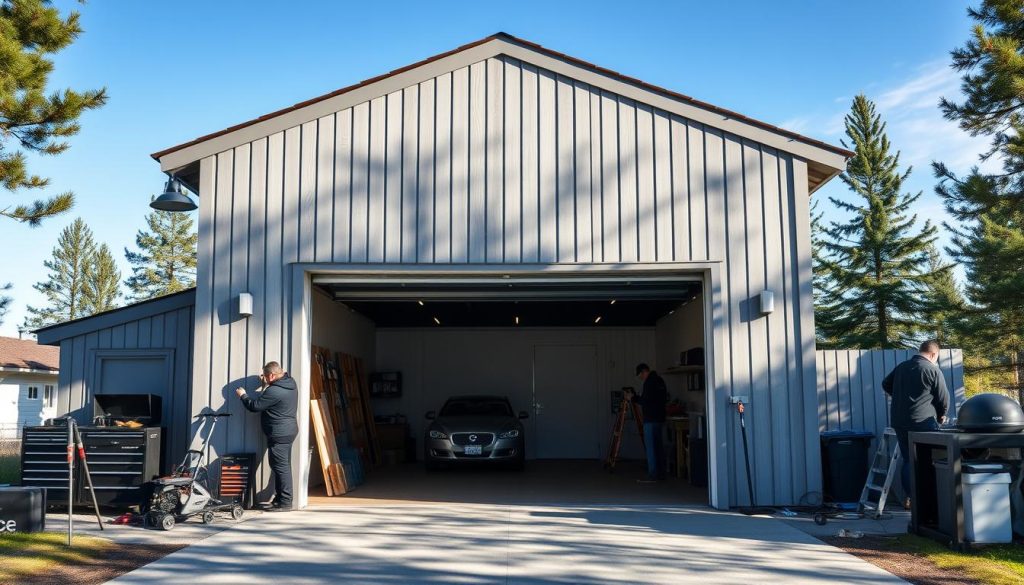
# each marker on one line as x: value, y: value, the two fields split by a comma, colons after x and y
x: 244, y: 305
x: 766, y: 302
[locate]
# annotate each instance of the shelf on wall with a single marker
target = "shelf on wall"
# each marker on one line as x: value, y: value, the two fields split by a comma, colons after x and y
x: 683, y: 369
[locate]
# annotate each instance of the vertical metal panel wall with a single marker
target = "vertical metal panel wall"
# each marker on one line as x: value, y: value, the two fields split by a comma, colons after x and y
x: 503, y: 162
x: 171, y: 329
x: 850, y: 392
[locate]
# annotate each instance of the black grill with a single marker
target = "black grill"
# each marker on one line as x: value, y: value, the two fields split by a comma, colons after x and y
x: 472, y: 438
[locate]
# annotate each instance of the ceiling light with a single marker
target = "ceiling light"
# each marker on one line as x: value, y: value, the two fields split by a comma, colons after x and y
x: 173, y: 198
x: 517, y: 320
x: 420, y: 302
x: 613, y: 301
x: 436, y: 320
x: 598, y: 320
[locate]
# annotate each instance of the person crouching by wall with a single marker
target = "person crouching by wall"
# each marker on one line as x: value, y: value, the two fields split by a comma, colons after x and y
x: 277, y: 404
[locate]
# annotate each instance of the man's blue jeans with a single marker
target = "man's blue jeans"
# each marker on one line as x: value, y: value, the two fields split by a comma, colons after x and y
x: 653, y: 440
x: 903, y: 437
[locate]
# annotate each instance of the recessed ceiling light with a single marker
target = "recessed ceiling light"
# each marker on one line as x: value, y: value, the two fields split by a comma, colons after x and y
x: 613, y: 301
x: 517, y: 320
x: 598, y: 320
x: 436, y: 320
x: 420, y: 302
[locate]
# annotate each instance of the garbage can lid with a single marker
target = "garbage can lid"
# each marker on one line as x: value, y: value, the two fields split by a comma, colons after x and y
x: 987, y: 467
x: 846, y: 434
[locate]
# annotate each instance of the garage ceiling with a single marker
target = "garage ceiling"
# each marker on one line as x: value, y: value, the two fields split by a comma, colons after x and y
x: 474, y: 303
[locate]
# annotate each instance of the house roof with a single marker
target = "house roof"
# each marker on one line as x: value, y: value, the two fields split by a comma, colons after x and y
x: 26, y: 354
x: 830, y: 159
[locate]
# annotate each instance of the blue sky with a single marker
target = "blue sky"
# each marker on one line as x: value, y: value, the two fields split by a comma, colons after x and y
x: 177, y: 70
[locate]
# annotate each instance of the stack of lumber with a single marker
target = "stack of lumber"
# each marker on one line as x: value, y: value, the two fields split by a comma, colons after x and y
x: 356, y: 393
x: 326, y: 422
x: 342, y: 419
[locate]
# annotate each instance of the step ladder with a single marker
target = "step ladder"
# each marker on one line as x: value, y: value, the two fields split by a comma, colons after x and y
x: 884, y: 469
x: 620, y: 423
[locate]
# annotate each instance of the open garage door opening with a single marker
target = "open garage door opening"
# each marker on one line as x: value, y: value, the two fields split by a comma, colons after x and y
x: 507, y: 390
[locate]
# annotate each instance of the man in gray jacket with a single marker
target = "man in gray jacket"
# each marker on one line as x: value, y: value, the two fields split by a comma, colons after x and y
x: 919, y: 400
x: 277, y: 405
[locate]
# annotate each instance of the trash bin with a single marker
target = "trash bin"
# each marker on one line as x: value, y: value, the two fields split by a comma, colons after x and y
x: 844, y: 463
x: 987, y: 503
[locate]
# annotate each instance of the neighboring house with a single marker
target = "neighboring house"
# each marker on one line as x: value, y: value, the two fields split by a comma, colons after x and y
x: 501, y: 218
x: 28, y: 384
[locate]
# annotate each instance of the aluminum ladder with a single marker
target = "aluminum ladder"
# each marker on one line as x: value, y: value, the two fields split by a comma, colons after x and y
x: 874, y: 495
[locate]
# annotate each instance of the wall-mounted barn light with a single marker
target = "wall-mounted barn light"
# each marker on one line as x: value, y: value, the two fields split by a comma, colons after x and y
x: 244, y: 305
x: 173, y: 198
x: 766, y: 302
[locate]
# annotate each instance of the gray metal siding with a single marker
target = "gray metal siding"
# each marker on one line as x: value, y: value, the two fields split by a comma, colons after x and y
x: 171, y: 329
x: 502, y: 162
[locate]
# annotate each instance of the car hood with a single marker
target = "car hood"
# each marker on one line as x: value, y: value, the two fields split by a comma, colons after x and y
x: 487, y: 424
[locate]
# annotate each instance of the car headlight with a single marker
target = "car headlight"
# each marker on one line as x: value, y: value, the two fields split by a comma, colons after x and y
x: 438, y: 435
x: 509, y: 434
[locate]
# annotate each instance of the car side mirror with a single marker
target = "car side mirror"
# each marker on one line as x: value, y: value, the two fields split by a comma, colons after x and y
x: 431, y: 415
x: 524, y: 414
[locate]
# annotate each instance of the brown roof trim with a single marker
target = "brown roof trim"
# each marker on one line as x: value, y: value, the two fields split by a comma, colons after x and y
x: 540, y: 49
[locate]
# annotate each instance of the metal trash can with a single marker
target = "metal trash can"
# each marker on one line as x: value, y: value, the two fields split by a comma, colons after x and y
x: 987, y: 503
x: 22, y: 509
x: 844, y: 461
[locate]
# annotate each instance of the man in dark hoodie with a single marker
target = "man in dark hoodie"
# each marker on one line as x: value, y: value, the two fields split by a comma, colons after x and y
x: 652, y: 405
x: 920, y: 401
x: 277, y: 404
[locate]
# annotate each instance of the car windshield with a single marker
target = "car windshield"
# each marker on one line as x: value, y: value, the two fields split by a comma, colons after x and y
x: 476, y: 407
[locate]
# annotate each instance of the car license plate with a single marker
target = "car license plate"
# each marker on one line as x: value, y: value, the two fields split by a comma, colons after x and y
x: 474, y: 449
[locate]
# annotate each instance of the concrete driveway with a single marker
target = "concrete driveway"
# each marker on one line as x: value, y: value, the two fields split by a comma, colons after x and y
x: 482, y: 543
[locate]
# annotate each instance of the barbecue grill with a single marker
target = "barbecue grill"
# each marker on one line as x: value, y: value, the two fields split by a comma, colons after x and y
x: 990, y: 413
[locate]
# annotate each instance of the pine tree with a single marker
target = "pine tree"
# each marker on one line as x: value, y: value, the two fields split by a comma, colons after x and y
x: 65, y: 285
x: 945, y: 311
x: 824, y: 316
x: 34, y: 119
x: 5, y: 302
x: 102, y: 282
x: 877, y: 259
x: 166, y: 260
x: 989, y: 208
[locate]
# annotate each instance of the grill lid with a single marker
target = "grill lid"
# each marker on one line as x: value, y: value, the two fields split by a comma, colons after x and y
x: 990, y: 413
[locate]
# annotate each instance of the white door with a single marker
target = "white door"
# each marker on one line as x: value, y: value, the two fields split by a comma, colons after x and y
x: 565, y: 402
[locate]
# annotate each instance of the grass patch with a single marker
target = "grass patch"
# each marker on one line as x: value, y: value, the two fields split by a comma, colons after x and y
x: 10, y: 469
x: 992, y: 565
x: 25, y: 555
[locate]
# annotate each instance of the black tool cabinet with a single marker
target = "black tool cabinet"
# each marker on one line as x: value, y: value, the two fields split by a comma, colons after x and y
x: 121, y: 461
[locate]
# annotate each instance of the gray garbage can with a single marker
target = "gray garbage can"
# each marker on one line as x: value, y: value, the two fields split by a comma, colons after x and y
x: 987, y: 503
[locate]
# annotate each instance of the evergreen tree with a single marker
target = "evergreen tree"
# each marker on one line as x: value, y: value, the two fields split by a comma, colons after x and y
x: 34, y: 119
x: 989, y: 208
x: 102, y: 282
x: 5, y: 302
x: 823, y: 285
x: 166, y: 260
x: 876, y: 261
x: 945, y: 312
x: 65, y: 285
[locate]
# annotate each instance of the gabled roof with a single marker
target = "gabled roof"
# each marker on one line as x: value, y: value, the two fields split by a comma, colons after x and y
x: 26, y: 355
x: 825, y: 160
x: 54, y: 334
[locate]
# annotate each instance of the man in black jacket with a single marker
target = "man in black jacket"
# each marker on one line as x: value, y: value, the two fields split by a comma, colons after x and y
x: 652, y: 405
x: 277, y: 404
x: 919, y: 400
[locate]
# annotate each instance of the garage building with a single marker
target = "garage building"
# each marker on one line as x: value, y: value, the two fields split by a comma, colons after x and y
x: 501, y: 219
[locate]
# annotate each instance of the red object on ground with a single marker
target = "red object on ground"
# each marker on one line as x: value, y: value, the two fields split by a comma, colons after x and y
x: 125, y: 518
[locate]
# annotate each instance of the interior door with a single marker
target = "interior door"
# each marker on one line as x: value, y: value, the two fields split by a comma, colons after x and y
x: 565, y: 402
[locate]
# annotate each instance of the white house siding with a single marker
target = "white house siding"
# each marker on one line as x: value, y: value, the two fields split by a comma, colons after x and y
x: 502, y: 162
x: 16, y: 409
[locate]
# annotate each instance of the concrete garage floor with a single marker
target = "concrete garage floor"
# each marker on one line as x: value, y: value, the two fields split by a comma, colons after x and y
x: 528, y: 544
x: 542, y: 482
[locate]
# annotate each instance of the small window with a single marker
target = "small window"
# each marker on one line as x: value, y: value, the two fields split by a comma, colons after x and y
x: 49, y: 396
x: 33, y: 393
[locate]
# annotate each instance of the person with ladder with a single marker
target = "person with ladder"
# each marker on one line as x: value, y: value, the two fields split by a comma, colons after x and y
x: 920, y: 400
x: 652, y: 404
